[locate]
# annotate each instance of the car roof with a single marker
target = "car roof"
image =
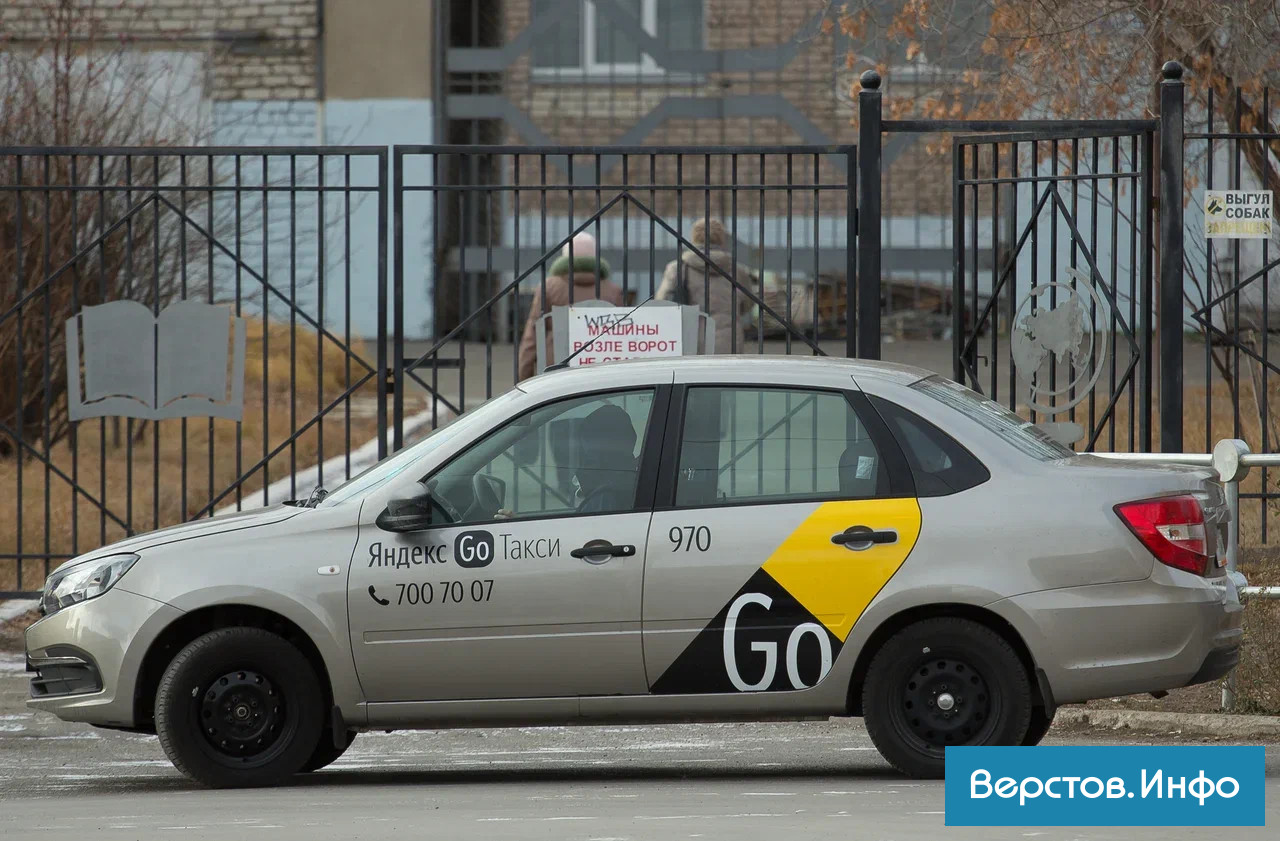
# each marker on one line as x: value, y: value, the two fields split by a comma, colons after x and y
x: 768, y: 368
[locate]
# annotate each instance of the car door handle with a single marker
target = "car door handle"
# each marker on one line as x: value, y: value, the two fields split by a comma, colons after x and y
x: 598, y: 549
x: 858, y: 538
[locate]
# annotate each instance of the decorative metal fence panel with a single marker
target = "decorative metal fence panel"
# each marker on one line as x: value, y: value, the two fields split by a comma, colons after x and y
x: 1059, y: 326
x: 1230, y: 288
x: 179, y: 336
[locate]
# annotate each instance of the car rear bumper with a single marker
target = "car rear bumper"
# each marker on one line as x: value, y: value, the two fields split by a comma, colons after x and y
x: 1217, y: 663
x: 1171, y: 630
x: 86, y: 658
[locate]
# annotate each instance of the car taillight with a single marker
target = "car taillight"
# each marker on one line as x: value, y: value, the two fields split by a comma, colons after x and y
x: 1172, y: 528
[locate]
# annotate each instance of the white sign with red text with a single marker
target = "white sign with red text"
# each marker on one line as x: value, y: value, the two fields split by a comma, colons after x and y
x: 620, y: 333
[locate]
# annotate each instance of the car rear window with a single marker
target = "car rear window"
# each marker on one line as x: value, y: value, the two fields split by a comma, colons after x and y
x: 1018, y: 431
x: 939, y: 465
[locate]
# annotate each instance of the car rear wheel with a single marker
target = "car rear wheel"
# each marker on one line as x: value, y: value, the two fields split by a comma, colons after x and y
x: 326, y: 752
x: 1039, y: 726
x: 239, y: 707
x: 944, y: 682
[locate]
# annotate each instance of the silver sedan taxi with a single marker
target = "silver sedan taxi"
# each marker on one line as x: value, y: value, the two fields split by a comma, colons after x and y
x: 711, y: 538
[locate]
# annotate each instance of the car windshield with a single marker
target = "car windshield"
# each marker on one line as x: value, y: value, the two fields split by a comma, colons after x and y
x: 393, y: 465
x: 1018, y: 431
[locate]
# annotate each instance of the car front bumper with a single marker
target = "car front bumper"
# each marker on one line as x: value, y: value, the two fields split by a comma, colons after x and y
x: 87, y: 657
x: 1171, y: 630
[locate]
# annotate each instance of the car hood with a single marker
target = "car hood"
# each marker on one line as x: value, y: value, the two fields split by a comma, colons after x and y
x: 201, y: 528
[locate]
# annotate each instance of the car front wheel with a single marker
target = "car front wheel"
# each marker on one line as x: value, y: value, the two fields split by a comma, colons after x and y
x: 941, y: 683
x: 239, y: 707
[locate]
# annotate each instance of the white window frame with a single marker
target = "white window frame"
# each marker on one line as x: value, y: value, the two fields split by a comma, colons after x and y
x: 588, y: 66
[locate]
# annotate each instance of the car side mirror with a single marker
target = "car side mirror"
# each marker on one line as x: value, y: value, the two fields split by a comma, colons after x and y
x: 403, y: 515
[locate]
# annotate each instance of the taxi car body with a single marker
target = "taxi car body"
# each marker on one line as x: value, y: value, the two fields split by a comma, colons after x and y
x: 708, y: 538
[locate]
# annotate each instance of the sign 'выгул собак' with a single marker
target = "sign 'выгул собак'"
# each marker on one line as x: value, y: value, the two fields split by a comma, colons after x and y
x: 621, y: 333
x: 1238, y: 214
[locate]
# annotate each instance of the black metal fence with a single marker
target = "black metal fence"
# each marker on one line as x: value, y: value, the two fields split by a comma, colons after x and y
x: 1232, y: 143
x: 1069, y: 217
x: 286, y: 246
x: 1065, y: 301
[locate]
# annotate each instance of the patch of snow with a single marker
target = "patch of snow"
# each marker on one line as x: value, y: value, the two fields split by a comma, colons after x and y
x: 16, y: 607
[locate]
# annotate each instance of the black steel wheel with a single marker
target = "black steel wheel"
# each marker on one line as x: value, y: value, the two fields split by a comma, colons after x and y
x: 239, y: 707
x: 243, y: 717
x: 941, y: 683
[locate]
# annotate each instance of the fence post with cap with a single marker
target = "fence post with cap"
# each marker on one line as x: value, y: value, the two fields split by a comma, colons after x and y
x: 1171, y: 244
x: 868, y: 303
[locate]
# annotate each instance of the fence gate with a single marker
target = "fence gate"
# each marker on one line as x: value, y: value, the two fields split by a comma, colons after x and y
x: 179, y: 336
x: 1060, y: 325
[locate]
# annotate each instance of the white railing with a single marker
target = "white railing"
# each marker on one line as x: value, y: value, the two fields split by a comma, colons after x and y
x: 1232, y: 460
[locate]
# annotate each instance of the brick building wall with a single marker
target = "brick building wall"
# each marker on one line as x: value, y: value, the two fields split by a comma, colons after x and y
x: 256, y: 49
x: 805, y: 99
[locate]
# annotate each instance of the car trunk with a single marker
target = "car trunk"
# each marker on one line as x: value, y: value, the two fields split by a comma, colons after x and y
x: 1128, y: 481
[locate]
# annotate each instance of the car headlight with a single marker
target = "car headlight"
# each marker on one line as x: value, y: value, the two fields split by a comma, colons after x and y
x: 80, y: 582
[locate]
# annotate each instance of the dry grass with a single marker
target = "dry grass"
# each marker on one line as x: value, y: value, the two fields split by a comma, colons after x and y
x: 11, y: 631
x: 103, y: 465
x: 1258, y: 678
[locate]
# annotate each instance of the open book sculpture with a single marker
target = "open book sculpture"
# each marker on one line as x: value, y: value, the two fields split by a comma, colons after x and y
x: 139, y: 365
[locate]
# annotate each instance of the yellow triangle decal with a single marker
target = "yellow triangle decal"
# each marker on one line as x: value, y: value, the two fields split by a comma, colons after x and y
x: 836, y: 583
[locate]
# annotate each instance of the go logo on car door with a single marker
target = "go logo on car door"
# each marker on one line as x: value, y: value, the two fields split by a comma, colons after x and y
x: 785, y: 627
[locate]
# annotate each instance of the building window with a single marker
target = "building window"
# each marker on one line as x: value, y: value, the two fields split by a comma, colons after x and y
x: 587, y: 40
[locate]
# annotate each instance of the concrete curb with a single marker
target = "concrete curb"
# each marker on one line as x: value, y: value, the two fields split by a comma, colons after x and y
x: 1197, y: 725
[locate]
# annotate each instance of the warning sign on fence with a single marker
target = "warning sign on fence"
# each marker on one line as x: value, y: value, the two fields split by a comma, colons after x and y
x: 1238, y: 214
x: 620, y: 333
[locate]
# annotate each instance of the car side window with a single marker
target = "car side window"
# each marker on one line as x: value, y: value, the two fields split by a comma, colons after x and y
x: 939, y: 464
x: 774, y: 445
x: 575, y: 456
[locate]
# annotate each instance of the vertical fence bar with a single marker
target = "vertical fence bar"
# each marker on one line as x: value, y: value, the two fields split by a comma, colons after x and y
x: 868, y: 302
x: 852, y: 215
x: 1171, y: 233
x: 73, y: 435
x: 957, y: 264
x: 1266, y: 343
x: 397, y: 339
x: 47, y: 373
x: 1147, y: 301
x: 155, y: 303
x: 382, y: 304
x: 293, y: 327
x: 346, y: 309
x: 266, y: 331
x: 322, y: 233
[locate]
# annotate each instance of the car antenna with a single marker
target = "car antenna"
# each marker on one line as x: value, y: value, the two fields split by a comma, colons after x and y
x: 564, y: 363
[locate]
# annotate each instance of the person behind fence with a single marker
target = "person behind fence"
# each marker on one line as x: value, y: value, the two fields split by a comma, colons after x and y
x: 587, y: 270
x: 704, y: 282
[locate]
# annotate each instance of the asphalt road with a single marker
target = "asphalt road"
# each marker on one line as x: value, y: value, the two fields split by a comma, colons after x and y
x: 731, y: 781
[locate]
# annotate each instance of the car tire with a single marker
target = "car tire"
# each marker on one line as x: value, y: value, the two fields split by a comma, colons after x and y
x: 239, y: 707
x: 944, y: 682
x: 326, y: 752
x: 1039, y: 726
